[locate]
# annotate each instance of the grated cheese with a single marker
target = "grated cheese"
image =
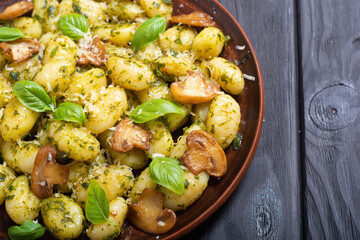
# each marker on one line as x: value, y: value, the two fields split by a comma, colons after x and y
x: 249, y: 77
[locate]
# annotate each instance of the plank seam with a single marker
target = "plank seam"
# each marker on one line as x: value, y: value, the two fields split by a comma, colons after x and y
x: 302, y: 151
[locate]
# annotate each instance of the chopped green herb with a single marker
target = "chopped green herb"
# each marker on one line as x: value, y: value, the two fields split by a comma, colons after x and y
x: 53, y: 52
x: 2, y: 177
x: 237, y: 141
x: 14, y: 75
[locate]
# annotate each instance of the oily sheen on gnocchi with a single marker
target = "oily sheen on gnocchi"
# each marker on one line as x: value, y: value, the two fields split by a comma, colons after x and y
x: 111, y: 111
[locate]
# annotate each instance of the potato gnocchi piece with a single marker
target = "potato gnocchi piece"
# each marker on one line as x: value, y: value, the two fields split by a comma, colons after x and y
x: 60, y: 48
x: 143, y: 181
x: 77, y: 170
x: 118, y: 211
x: 84, y: 85
x: 22, y: 71
x: 194, y: 187
x: 175, y: 120
x: 116, y: 181
x: 119, y: 35
x: 115, y: 51
x: 149, y: 53
x: 208, y: 43
x: 161, y: 141
x: 47, y: 12
x: 129, y: 74
x: 63, y: 217
x: 74, y: 140
x: 135, y: 159
x: 201, y: 112
x: 55, y: 76
x: 178, y: 38
x: 6, y: 92
x: 156, y: 7
x: 157, y: 89
x: 170, y: 67
x: 17, y: 120
x: 181, y: 147
x: 21, y: 204
x: 20, y: 155
x: 223, y: 119
x: 125, y: 10
x: 105, y: 109
x: 227, y: 74
x: 7, y: 176
x: 29, y: 26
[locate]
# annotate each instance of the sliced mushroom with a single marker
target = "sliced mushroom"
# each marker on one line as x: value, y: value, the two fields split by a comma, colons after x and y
x: 194, y: 89
x: 95, y: 54
x: 16, y: 9
x: 148, y: 214
x: 197, y: 19
x: 204, y: 154
x: 21, y: 50
x: 47, y: 172
x: 127, y: 136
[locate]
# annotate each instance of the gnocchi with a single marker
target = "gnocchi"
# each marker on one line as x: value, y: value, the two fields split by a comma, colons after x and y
x: 107, y: 92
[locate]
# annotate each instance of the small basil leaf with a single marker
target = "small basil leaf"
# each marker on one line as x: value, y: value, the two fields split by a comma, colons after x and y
x: 153, y: 109
x: 73, y: 25
x: 10, y: 34
x: 69, y: 112
x: 148, y: 32
x: 32, y: 96
x: 168, y: 173
x: 97, y: 204
x: 27, y: 230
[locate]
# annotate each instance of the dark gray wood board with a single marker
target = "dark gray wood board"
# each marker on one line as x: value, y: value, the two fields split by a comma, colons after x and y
x: 267, y: 203
x: 330, y: 62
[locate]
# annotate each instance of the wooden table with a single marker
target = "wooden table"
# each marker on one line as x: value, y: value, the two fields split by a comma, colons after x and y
x: 303, y: 182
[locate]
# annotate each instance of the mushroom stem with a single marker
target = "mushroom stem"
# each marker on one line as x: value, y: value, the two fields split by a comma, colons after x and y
x: 47, y: 172
x: 148, y: 214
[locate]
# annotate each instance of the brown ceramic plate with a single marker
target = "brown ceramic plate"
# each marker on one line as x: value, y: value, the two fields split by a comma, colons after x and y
x: 252, y: 108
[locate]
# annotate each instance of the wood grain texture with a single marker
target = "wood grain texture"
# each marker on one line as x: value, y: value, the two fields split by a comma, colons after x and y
x: 267, y: 203
x: 330, y: 62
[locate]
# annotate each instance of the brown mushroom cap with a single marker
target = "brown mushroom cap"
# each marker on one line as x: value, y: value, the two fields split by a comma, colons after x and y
x: 21, y: 50
x: 47, y: 172
x: 148, y: 214
x: 197, y: 19
x: 11, y: 9
x: 95, y: 54
x: 127, y: 136
x: 204, y: 154
x: 194, y: 89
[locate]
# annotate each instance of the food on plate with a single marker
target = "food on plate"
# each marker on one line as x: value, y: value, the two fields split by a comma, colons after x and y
x: 111, y: 111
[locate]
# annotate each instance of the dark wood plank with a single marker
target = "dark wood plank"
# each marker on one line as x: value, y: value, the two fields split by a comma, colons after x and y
x: 330, y: 54
x: 267, y: 203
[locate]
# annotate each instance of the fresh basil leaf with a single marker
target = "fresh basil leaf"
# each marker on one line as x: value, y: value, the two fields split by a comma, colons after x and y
x: 237, y: 141
x: 153, y: 109
x: 27, y: 230
x: 168, y: 173
x: 97, y: 204
x: 10, y: 34
x: 73, y: 25
x: 32, y: 96
x: 148, y: 32
x: 69, y: 112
